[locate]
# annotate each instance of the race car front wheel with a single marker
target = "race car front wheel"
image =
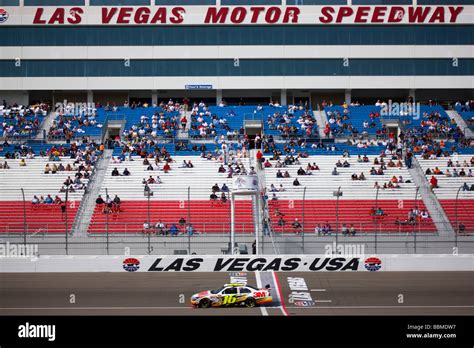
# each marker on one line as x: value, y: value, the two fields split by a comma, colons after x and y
x: 204, y: 303
x: 250, y: 303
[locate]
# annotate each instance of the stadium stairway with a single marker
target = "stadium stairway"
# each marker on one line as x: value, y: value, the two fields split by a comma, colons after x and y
x: 322, y: 120
x: 433, y: 206
x: 86, y: 208
x: 453, y: 114
x: 45, y: 125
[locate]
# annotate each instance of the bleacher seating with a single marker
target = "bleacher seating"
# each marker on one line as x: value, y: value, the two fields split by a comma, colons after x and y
x: 169, y: 201
x: 40, y: 218
x: 357, y: 200
x: 357, y: 115
x: 448, y: 189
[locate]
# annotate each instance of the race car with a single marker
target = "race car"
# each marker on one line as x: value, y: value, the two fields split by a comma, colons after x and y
x: 232, y: 295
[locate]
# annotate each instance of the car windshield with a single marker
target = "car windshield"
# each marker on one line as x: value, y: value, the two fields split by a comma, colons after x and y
x: 217, y: 291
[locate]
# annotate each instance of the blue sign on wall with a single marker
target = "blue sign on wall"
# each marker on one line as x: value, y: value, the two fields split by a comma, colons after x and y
x: 198, y: 86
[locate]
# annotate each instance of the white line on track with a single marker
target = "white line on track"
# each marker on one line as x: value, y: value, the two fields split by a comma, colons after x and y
x: 322, y: 301
x: 279, y: 293
x: 318, y: 290
x: 335, y: 307
x: 259, y: 285
x: 89, y: 308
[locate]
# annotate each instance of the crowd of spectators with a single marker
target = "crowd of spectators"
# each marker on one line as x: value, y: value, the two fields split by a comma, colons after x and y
x: 20, y: 120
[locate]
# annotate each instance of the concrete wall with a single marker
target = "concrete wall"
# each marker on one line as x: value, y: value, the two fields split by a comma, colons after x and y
x: 195, y: 263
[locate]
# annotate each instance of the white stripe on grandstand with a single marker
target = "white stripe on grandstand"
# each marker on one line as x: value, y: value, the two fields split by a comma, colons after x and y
x: 234, y: 82
x: 231, y: 52
x: 259, y: 285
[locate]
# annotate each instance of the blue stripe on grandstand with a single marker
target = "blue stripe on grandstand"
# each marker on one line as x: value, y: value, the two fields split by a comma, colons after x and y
x: 316, y: 2
x: 382, y: 2
x: 445, y: 2
x: 119, y: 2
x: 184, y: 2
x: 248, y: 67
x: 216, y: 35
x: 250, y: 2
x: 54, y: 3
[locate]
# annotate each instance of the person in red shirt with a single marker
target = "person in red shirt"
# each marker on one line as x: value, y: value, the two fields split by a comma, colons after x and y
x: 434, y: 182
x: 166, y: 168
x: 184, y: 121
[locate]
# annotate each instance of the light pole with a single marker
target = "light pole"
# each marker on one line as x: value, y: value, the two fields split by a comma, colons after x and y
x: 375, y: 215
x: 416, y: 213
x: 24, y: 217
x: 456, y: 230
x: 107, y: 218
x: 189, y: 220
x: 148, y: 193
x: 302, y: 217
x: 337, y: 194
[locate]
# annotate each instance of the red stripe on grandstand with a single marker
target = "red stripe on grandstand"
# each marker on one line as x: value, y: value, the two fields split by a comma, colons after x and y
x: 214, y: 217
x: 465, y: 209
x: 280, y: 294
x: 355, y: 212
x: 205, y: 216
x: 45, y: 218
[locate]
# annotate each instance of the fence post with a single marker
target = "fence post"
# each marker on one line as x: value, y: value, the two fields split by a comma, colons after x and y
x: 65, y: 213
x: 338, y: 194
x: 456, y: 229
x: 189, y: 219
x: 302, y: 218
x: 416, y: 217
x: 375, y: 215
x: 107, y: 219
x: 24, y: 217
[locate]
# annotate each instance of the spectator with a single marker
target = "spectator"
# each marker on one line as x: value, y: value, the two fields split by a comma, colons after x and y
x: 318, y: 229
x: 21, y: 164
x: 352, y: 230
x: 434, y: 182
x: 115, y: 172
x: 48, y: 200
x: 173, y: 230
x: 296, y: 182
x: 146, y: 227
x: 335, y: 172
x: 182, y: 222
x: 296, y: 226
x: 213, y: 196
x: 35, y: 200
x: 189, y: 229
x: 345, y: 230
x: 126, y: 172
x: 223, y: 197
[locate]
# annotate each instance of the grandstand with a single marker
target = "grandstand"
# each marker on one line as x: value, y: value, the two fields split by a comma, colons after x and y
x: 373, y: 105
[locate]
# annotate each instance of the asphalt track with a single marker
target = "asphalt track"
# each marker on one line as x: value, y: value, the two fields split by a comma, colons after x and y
x: 338, y: 293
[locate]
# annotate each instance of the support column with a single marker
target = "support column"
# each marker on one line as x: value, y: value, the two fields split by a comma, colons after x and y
x: 154, y: 97
x: 90, y: 97
x: 348, y: 96
x: 283, y: 97
x: 218, y: 96
x: 232, y: 222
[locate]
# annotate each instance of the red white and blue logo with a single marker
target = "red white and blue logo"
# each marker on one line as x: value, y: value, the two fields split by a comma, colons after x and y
x: 373, y: 264
x: 131, y: 264
x: 3, y: 15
